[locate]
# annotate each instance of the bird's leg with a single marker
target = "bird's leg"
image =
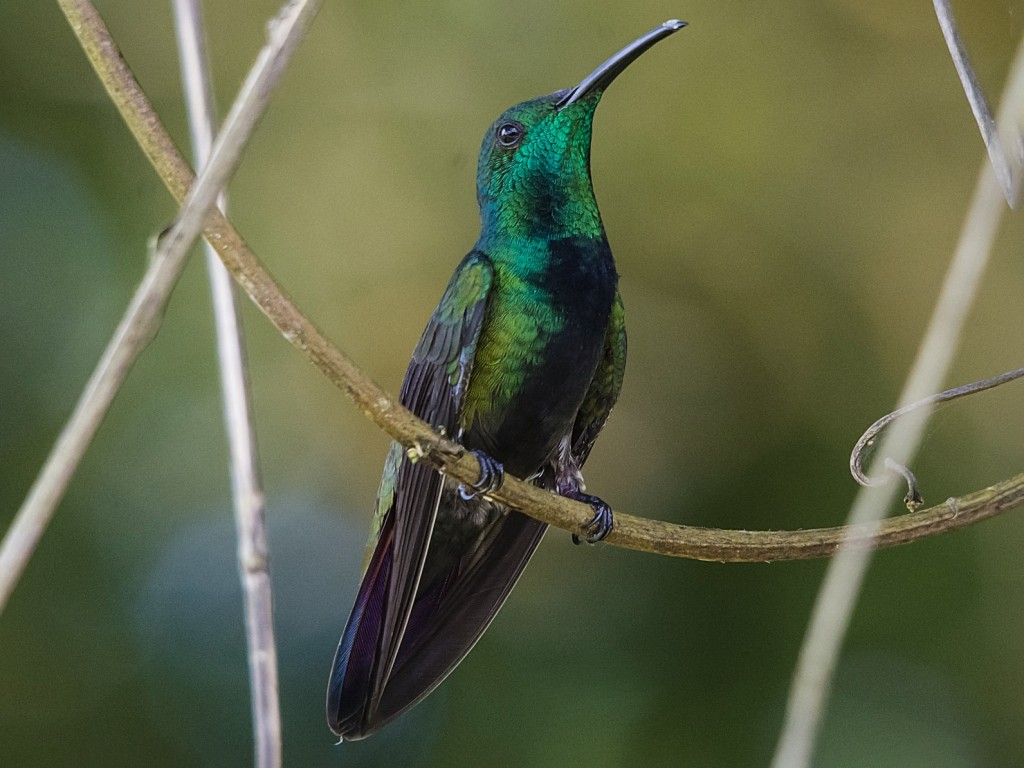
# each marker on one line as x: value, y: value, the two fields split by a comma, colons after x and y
x: 492, y: 475
x: 566, y: 480
x: 600, y: 524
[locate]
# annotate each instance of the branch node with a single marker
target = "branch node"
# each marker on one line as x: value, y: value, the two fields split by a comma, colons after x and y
x: 953, y: 504
x: 416, y: 452
x: 913, y: 498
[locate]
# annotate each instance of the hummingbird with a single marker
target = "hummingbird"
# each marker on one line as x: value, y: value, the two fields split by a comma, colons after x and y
x: 521, y: 363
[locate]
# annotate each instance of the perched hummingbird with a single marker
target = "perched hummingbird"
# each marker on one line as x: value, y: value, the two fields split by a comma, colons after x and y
x: 521, y: 362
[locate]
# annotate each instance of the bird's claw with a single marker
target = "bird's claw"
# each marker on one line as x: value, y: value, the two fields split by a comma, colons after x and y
x: 492, y: 475
x: 600, y: 524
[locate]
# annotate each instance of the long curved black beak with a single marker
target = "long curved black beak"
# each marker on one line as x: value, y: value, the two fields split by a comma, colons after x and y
x: 609, y: 70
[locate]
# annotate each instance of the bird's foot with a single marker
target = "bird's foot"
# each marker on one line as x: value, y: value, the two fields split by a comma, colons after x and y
x: 600, y: 524
x: 492, y: 475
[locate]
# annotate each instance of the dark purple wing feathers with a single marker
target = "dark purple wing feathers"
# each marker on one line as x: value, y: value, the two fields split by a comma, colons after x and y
x: 366, y: 688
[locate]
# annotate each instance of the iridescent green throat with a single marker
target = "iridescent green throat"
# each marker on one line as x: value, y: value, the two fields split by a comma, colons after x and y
x: 540, y: 189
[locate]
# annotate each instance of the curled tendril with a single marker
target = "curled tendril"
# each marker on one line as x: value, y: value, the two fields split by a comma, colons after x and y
x: 913, y: 499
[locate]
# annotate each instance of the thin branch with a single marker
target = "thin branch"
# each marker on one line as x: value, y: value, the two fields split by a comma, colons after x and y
x: 1007, y: 173
x: 845, y: 574
x: 637, y: 533
x: 144, y: 313
x: 247, y: 491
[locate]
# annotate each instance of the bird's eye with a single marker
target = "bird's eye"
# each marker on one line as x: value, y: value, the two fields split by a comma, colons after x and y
x: 509, y: 134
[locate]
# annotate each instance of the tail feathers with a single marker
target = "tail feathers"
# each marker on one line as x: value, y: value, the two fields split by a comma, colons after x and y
x: 348, y: 690
x: 447, y: 618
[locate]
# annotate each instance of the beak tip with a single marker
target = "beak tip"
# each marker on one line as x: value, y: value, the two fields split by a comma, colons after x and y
x: 609, y: 70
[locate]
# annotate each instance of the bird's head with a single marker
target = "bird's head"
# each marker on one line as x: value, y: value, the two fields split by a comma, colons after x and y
x: 533, y: 176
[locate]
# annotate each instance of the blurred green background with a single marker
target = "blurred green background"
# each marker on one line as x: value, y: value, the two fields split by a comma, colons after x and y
x: 782, y: 184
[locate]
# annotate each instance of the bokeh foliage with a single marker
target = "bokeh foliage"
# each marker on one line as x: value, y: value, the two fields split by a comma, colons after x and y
x: 782, y: 184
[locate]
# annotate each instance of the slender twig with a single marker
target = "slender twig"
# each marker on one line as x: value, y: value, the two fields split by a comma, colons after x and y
x: 247, y: 491
x: 145, y: 311
x: 637, y: 533
x: 1007, y: 172
x: 834, y: 605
